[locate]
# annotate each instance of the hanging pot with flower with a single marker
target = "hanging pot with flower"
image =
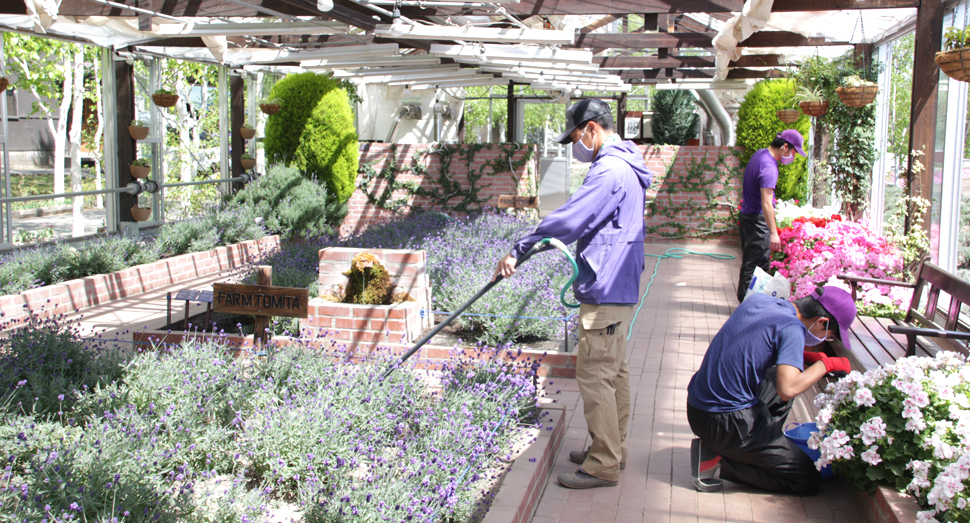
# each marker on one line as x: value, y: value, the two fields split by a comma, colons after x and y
x: 165, y: 98
x: 811, y: 101
x: 270, y: 106
x: 856, y: 92
x: 954, y: 59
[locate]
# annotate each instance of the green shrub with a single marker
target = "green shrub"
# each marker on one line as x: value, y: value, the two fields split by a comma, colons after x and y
x: 314, y: 130
x: 758, y: 124
x: 674, y: 118
x: 289, y: 204
x: 208, y: 231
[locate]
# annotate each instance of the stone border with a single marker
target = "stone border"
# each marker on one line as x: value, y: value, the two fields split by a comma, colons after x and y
x: 75, y: 295
x: 523, y: 484
x: 887, y: 505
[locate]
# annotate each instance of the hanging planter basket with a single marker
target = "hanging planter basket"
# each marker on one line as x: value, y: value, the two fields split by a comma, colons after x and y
x: 4, y: 83
x: 139, y: 215
x: 814, y: 108
x: 247, y: 133
x: 138, y: 132
x: 955, y: 63
x: 858, y: 96
x: 269, y: 108
x: 248, y: 163
x: 140, y: 171
x: 789, y: 115
x: 165, y: 100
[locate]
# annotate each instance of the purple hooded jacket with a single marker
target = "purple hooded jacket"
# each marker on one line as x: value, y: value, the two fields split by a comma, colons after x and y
x: 606, y: 217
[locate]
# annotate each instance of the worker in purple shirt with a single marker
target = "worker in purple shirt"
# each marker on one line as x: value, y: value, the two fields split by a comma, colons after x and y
x: 605, y: 219
x: 756, y: 224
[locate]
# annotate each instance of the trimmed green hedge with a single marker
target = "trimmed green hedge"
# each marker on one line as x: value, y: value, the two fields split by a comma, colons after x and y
x: 289, y: 204
x: 314, y: 131
x: 675, y: 119
x: 758, y: 124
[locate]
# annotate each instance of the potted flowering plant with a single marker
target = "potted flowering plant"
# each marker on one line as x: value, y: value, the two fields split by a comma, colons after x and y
x: 812, y: 101
x: 270, y: 106
x: 856, y: 92
x: 141, y: 168
x: 138, y: 130
x: 140, y: 214
x: 165, y: 98
x: 905, y: 425
x: 954, y: 59
x: 247, y: 132
x: 816, y: 250
x: 247, y: 160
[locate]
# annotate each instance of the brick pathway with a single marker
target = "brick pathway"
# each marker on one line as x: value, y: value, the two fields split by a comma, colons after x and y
x: 688, y: 302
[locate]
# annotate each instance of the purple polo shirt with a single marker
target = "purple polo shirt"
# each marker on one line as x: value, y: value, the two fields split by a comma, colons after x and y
x: 761, y: 173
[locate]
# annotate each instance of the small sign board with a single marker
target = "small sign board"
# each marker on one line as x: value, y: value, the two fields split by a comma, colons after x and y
x: 631, y: 124
x: 194, y: 295
x: 507, y: 201
x: 260, y: 300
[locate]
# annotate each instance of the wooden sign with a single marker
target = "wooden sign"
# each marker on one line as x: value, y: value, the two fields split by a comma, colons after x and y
x: 260, y: 300
x: 507, y: 201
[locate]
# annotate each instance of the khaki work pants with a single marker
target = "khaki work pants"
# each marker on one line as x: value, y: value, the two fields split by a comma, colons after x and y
x: 604, y: 382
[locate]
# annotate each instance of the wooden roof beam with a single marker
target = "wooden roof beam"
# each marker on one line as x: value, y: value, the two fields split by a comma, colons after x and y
x: 655, y: 62
x: 703, y: 40
x: 697, y: 74
x: 622, y: 7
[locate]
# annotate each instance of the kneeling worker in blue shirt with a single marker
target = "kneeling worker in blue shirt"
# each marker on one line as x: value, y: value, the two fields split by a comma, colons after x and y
x: 738, y: 401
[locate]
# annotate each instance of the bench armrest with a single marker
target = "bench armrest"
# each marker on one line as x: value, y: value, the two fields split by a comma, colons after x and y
x: 931, y: 333
x: 859, y: 279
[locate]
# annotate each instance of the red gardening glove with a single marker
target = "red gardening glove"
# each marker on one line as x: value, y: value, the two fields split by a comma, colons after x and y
x: 813, y: 357
x: 837, y: 365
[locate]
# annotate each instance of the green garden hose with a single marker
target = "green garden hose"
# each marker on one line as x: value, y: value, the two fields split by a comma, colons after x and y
x: 669, y: 254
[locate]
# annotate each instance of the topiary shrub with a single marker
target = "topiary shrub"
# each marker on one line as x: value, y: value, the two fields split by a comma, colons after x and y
x: 674, y: 119
x: 291, y: 205
x: 758, y: 124
x: 314, y: 131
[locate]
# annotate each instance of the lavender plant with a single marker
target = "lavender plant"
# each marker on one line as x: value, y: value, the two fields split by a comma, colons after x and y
x: 189, y: 433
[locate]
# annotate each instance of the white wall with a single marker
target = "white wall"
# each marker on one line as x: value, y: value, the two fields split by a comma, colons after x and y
x: 382, y: 103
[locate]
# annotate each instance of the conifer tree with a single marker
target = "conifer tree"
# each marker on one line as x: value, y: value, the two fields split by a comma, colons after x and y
x: 674, y: 120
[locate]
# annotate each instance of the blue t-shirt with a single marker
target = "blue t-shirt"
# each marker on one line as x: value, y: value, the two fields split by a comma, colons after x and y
x: 761, y: 173
x: 763, y: 332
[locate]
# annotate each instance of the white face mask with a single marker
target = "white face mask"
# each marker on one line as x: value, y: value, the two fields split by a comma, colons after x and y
x: 812, y: 340
x: 582, y: 153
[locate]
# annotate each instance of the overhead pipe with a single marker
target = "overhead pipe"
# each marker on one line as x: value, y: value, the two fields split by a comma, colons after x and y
x: 133, y: 188
x: 720, y: 115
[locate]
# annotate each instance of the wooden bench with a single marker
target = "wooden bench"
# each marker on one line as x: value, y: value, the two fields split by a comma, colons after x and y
x: 932, y: 322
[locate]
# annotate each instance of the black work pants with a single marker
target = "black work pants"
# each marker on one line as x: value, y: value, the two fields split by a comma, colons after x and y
x: 755, y: 248
x: 753, y: 446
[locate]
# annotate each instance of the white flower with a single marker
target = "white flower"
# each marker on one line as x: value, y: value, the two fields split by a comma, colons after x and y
x: 864, y: 398
x: 872, y: 430
x: 918, y: 399
x: 871, y: 456
x: 921, y: 470
x: 834, y: 448
x: 915, y: 425
x: 926, y: 516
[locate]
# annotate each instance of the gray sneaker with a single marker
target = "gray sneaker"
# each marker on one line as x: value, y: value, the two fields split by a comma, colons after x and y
x: 704, y: 464
x: 579, y: 457
x: 582, y: 480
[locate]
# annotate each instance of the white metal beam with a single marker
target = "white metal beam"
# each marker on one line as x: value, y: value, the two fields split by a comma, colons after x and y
x: 470, y: 33
x: 524, y: 53
x: 250, y: 29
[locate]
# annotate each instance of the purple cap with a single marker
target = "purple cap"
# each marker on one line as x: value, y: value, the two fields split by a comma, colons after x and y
x: 840, y: 305
x: 794, y: 138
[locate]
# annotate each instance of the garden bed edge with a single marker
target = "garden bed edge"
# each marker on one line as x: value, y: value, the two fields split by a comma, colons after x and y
x: 887, y: 505
x: 90, y: 291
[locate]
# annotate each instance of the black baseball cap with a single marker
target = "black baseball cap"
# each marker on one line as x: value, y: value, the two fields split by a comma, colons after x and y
x: 580, y: 113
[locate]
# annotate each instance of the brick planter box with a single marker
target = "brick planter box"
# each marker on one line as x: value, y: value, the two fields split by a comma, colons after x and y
x: 886, y: 505
x: 80, y: 294
x: 373, y: 324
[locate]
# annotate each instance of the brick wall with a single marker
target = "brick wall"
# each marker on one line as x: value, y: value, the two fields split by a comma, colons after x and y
x: 491, y: 162
x: 669, y: 190
x: 99, y: 289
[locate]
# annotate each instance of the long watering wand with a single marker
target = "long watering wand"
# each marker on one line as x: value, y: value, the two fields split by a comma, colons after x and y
x: 542, y: 245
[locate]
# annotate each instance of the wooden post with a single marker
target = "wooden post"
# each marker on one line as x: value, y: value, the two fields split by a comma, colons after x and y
x: 620, y: 123
x: 125, y: 82
x: 510, y: 117
x: 264, y: 276
x: 923, y: 115
x: 237, y: 116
